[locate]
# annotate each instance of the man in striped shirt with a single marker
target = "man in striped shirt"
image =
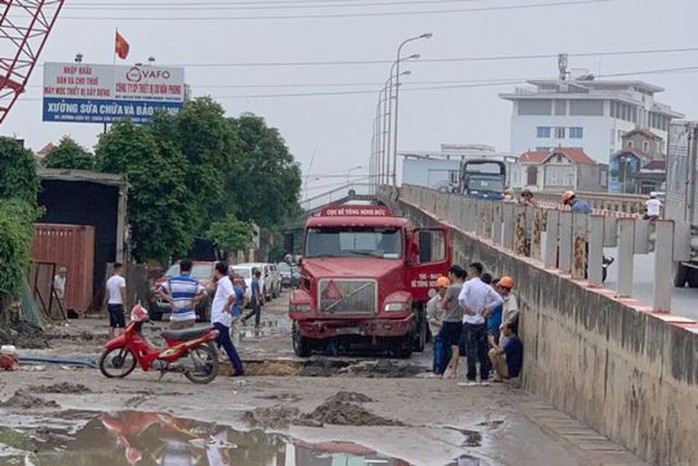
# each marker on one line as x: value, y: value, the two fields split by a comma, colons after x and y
x: 184, y: 292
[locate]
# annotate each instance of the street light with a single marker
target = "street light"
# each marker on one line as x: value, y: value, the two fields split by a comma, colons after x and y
x: 427, y: 35
x: 358, y: 167
x: 389, y: 100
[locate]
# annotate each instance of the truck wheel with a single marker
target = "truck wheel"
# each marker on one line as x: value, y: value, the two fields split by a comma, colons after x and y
x: 301, y: 344
x: 680, y: 275
x: 404, y: 348
x: 420, y: 334
x: 692, y: 277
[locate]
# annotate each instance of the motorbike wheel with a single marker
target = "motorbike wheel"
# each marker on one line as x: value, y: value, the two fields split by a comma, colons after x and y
x: 205, y: 359
x: 117, y: 365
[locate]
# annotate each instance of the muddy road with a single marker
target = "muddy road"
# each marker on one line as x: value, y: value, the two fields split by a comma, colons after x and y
x: 284, y: 412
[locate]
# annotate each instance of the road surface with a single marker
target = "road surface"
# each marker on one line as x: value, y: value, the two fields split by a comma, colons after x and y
x: 684, y: 300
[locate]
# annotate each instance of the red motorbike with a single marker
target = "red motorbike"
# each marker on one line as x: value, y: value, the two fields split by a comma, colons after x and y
x: 191, y: 351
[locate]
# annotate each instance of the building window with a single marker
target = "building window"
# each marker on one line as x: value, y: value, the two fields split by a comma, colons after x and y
x: 543, y: 148
x: 560, y: 107
x: 629, y: 144
x: 543, y: 131
x: 646, y: 146
x: 535, y: 107
x: 560, y: 132
x: 576, y: 132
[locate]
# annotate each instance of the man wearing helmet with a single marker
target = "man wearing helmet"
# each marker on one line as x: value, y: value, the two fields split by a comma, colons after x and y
x: 435, y: 315
x: 577, y: 206
x: 527, y: 198
x: 510, y: 310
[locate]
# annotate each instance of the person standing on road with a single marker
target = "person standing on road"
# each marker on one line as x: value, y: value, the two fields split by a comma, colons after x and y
x: 653, y: 208
x: 184, y: 293
x: 59, y: 282
x: 222, y: 314
x: 453, y: 314
x: 238, y: 306
x: 256, y: 299
x: 435, y: 313
x: 569, y: 198
x: 477, y: 300
x: 116, y: 298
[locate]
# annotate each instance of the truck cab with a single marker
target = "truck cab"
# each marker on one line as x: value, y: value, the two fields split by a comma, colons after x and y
x: 365, y: 279
x: 483, y: 179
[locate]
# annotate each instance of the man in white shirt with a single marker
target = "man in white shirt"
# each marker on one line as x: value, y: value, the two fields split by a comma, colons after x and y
x: 476, y: 298
x: 116, y: 298
x: 653, y: 208
x: 222, y: 314
x: 59, y: 281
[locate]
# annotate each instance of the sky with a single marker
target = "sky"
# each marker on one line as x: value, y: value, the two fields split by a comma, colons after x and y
x: 222, y: 43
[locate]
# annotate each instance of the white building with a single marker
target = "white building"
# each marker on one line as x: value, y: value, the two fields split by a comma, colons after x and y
x: 584, y: 113
x: 441, y: 169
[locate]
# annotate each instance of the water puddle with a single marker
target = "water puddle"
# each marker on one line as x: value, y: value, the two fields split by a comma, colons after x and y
x: 151, y: 438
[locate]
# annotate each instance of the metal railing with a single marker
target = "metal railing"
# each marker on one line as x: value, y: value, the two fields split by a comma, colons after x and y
x: 603, y: 203
x: 559, y: 239
x: 338, y: 194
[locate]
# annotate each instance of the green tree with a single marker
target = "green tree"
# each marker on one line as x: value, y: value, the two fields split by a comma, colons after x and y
x: 69, y: 154
x: 210, y: 144
x: 159, y: 202
x: 266, y: 180
x: 19, y: 186
x: 18, y: 177
x: 231, y: 234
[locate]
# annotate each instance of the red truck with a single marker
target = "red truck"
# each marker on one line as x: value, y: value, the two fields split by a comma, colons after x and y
x: 365, y: 278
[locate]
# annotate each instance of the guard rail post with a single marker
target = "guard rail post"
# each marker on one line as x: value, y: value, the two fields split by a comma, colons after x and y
x: 663, y: 265
x: 508, y: 225
x: 552, y: 233
x: 579, y: 246
x: 565, y: 234
x: 626, y: 258
x: 596, y: 231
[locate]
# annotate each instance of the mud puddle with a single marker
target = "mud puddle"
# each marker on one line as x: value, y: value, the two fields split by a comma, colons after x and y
x: 145, y: 438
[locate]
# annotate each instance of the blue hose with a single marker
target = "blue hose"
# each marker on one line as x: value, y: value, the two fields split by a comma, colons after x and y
x: 62, y: 362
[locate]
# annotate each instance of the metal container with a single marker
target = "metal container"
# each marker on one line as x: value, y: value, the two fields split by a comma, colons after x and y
x: 72, y: 246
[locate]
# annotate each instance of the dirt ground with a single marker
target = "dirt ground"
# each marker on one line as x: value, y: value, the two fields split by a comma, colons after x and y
x: 388, y: 406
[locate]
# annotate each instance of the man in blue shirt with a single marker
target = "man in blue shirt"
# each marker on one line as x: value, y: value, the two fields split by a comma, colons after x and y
x: 185, y: 293
x: 576, y: 205
x: 256, y: 299
x: 507, y: 360
x: 238, y: 305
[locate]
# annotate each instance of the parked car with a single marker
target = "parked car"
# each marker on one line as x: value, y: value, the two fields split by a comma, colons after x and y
x: 201, y: 271
x: 270, y: 280
x: 290, y: 275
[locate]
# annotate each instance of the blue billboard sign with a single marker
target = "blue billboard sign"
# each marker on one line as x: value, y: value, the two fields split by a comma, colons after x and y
x: 83, y: 93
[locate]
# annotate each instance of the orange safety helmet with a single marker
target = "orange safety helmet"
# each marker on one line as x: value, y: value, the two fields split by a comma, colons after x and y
x: 443, y: 282
x: 506, y: 282
x: 567, y: 197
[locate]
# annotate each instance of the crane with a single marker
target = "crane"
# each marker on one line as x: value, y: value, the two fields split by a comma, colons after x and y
x: 24, y: 28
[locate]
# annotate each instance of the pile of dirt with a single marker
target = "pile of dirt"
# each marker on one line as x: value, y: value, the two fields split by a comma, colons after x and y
x: 24, y: 335
x: 63, y: 388
x: 349, y: 397
x: 24, y: 400
x: 344, y: 414
x: 276, y: 417
x: 278, y: 368
x: 383, y: 368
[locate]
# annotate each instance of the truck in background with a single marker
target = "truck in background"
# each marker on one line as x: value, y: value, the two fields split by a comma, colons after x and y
x: 366, y: 275
x: 681, y: 202
x: 483, y: 179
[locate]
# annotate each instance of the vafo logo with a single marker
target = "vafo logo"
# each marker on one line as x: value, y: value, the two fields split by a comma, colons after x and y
x: 137, y: 74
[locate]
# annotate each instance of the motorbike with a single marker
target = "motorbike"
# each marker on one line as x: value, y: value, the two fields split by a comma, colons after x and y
x: 190, y: 352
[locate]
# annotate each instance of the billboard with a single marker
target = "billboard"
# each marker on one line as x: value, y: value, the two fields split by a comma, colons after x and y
x: 84, y: 93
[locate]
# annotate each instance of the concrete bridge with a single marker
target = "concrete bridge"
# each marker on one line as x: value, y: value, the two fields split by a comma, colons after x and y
x: 626, y: 367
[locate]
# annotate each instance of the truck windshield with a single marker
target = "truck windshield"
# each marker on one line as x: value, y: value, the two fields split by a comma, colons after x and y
x: 383, y: 243
x: 486, y: 183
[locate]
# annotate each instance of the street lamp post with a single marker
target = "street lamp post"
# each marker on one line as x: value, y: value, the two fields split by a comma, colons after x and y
x: 427, y: 35
x: 358, y: 167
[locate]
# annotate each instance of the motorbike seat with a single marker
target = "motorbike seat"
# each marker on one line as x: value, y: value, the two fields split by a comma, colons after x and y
x: 186, y: 334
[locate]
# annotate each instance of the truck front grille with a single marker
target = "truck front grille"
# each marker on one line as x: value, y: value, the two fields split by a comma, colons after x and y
x: 348, y: 296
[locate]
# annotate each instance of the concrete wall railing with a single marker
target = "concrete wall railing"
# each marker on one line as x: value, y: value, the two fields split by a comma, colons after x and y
x: 629, y: 372
x: 602, y: 202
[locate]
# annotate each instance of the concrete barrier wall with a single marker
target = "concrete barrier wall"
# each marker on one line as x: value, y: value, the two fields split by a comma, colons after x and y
x: 630, y: 375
